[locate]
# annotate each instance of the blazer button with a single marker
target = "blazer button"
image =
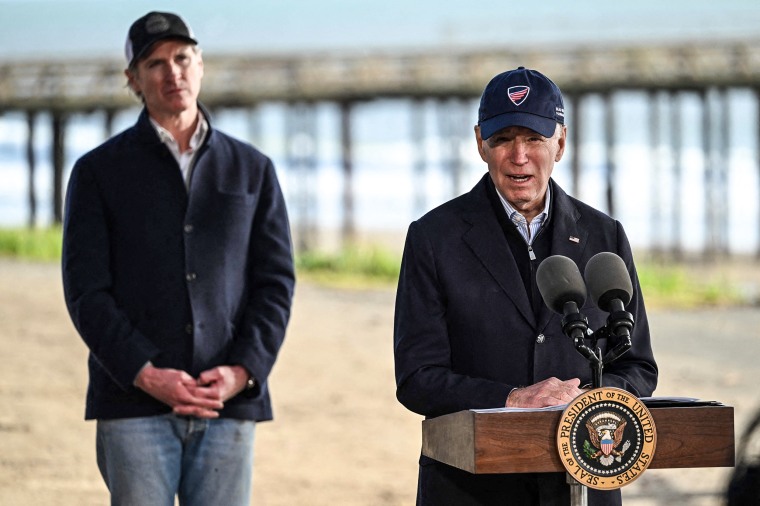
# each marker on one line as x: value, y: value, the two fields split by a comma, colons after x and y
x: 540, y: 339
x: 188, y: 228
x: 190, y: 276
x: 189, y: 328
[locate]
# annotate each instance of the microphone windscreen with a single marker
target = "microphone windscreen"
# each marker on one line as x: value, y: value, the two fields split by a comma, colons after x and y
x: 559, y: 281
x: 608, y: 279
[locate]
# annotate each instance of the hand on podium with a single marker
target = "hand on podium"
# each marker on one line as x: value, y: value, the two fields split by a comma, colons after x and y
x: 549, y: 392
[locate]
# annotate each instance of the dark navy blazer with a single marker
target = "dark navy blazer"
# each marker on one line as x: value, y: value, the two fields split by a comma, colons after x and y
x: 465, y: 331
x: 186, y: 278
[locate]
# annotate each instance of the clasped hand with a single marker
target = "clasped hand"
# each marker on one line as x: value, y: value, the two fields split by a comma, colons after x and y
x: 201, y: 397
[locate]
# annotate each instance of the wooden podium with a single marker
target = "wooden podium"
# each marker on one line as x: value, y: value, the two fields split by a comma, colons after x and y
x: 525, y: 441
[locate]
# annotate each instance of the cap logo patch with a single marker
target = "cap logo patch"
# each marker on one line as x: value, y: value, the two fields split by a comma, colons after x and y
x: 156, y: 24
x: 518, y: 94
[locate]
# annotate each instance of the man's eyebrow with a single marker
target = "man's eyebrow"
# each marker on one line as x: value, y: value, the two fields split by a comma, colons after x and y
x: 153, y: 59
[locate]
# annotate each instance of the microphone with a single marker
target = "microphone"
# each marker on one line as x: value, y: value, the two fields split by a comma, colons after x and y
x: 564, y: 292
x: 609, y: 282
x: 611, y: 290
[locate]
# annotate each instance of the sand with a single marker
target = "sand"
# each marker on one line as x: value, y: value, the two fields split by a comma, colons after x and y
x: 339, y: 435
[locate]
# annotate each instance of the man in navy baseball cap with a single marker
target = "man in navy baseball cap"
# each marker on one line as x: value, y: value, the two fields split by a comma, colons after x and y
x: 521, y: 97
x: 521, y: 135
x: 471, y: 329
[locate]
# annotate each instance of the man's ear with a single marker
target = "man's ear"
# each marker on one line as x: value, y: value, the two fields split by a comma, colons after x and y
x: 562, y: 141
x: 131, y: 81
x: 479, y: 141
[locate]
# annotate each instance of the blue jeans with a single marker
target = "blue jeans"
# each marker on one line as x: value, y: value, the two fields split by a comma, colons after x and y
x: 146, y: 461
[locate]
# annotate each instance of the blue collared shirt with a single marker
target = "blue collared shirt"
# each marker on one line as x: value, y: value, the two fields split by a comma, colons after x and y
x: 527, y: 230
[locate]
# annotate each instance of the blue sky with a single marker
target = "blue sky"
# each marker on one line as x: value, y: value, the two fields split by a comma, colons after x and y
x: 41, y: 29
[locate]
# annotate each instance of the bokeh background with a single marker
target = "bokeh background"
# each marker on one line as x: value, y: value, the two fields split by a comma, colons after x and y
x: 676, y: 160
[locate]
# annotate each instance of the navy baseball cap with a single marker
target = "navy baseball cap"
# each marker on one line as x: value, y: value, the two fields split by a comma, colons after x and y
x: 521, y: 97
x: 151, y: 28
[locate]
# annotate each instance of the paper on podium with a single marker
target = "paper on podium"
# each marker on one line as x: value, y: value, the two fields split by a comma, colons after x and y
x: 558, y: 407
x: 650, y: 402
x: 676, y: 402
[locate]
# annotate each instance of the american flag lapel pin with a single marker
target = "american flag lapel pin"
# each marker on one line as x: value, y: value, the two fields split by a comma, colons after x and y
x: 574, y: 239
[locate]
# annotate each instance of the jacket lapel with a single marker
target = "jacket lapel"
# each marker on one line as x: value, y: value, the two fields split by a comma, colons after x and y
x: 486, y: 240
x: 568, y: 238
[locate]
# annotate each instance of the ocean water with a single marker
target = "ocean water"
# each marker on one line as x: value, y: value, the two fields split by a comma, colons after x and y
x: 387, y: 176
x: 44, y: 28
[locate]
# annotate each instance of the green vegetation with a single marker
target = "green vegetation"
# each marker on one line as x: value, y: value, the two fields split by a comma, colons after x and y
x: 678, y: 286
x: 38, y: 244
x: 664, y: 285
x: 355, y: 266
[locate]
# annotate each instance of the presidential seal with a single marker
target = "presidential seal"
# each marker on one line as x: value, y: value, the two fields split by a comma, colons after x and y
x: 606, y: 438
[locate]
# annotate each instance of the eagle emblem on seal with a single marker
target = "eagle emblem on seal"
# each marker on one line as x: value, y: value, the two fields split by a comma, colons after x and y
x: 605, y: 431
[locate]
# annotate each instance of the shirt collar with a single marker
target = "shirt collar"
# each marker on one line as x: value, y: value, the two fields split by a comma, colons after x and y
x: 514, y: 214
x: 195, y: 141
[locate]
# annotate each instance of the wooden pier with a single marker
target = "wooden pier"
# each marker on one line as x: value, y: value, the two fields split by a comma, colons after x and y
x: 710, y: 69
x: 246, y: 80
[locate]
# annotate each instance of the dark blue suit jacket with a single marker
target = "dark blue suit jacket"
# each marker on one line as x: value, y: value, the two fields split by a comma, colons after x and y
x: 465, y: 330
x: 186, y: 278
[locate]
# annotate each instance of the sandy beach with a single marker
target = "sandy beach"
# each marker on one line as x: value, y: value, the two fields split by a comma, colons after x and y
x: 339, y: 435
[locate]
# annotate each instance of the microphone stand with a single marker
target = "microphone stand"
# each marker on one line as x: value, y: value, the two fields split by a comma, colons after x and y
x: 575, y: 326
x: 619, y: 324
